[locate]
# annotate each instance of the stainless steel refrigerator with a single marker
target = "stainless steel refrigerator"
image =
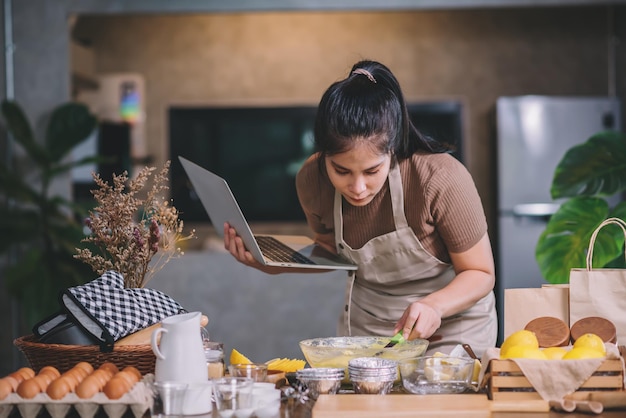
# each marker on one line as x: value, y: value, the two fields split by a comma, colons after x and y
x: 533, y: 134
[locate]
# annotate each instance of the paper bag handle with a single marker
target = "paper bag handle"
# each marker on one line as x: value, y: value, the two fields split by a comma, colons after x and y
x: 617, y: 221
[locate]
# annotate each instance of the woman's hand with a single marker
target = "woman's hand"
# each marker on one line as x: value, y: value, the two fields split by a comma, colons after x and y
x: 234, y: 245
x: 475, y: 278
x: 419, y: 320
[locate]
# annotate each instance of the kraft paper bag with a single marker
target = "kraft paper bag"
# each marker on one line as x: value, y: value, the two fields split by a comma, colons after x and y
x: 600, y: 292
x: 523, y: 305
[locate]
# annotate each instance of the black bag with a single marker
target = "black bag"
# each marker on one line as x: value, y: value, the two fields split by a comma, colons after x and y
x: 103, y: 311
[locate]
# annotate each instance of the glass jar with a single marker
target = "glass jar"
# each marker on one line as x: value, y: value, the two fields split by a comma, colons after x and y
x: 214, y: 354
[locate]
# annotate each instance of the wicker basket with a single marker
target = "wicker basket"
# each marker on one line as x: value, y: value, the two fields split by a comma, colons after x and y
x: 64, y: 357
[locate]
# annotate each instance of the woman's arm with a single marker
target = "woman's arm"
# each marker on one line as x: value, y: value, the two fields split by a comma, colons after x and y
x: 475, y: 278
x: 234, y: 245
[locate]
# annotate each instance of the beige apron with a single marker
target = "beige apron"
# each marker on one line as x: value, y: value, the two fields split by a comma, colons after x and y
x: 394, y: 271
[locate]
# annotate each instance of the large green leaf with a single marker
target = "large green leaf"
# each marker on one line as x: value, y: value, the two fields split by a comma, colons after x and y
x: 563, y: 244
x: 39, y: 226
x: 596, y: 167
x: 619, y: 211
x: 70, y: 124
x: 19, y: 127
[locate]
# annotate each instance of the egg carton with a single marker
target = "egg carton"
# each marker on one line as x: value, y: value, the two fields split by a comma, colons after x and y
x: 138, y: 400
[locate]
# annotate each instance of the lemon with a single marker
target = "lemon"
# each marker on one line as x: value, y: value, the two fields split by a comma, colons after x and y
x: 434, y: 374
x: 592, y: 341
x: 237, y: 358
x: 476, y: 371
x: 524, y: 351
x: 286, y: 365
x: 519, y: 338
x: 554, y: 353
x: 581, y: 353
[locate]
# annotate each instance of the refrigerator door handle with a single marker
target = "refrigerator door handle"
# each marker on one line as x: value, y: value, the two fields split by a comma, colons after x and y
x: 535, y: 210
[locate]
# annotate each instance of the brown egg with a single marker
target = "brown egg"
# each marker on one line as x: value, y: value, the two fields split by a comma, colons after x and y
x: 78, y: 372
x: 116, y: 387
x: 133, y: 370
x: 6, y: 387
x: 101, y: 376
x: 87, y: 388
x: 128, y: 376
x: 29, y: 388
x: 51, y: 370
x: 83, y: 365
x: 23, y: 374
x: 71, y: 378
x: 43, y: 380
x: 110, y: 367
x: 81, y: 372
x: 58, y: 388
x: 12, y: 381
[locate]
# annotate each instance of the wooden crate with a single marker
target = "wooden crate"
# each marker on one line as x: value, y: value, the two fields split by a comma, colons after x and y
x: 507, y: 381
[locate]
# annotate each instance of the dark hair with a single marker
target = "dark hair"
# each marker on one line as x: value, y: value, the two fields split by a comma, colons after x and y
x: 368, y: 104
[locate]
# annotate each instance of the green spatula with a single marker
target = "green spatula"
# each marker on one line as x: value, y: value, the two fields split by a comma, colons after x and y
x: 398, y: 338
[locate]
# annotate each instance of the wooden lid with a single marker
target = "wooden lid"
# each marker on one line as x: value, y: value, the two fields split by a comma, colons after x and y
x: 602, y: 327
x: 550, y: 331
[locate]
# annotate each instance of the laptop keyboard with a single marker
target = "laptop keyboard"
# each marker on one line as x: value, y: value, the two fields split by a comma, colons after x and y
x: 279, y: 252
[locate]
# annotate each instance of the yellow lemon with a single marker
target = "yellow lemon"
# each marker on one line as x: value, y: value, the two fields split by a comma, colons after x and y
x: 523, y: 351
x: 519, y: 338
x: 434, y: 374
x: 286, y: 365
x: 476, y: 372
x: 554, y: 353
x: 237, y: 358
x: 592, y: 341
x: 581, y: 353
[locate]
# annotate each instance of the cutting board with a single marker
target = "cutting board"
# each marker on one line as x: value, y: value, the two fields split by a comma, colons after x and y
x: 401, y: 405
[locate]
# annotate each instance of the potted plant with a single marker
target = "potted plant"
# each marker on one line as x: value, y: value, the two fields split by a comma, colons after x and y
x: 40, y: 230
x: 586, y: 176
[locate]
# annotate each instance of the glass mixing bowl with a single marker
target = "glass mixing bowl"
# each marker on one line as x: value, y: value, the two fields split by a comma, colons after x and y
x: 338, y: 351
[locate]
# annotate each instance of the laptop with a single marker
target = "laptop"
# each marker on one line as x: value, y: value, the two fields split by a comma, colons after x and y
x: 270, y: 250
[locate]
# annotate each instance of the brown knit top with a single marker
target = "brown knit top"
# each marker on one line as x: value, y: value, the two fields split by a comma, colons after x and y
x: 441, y: 205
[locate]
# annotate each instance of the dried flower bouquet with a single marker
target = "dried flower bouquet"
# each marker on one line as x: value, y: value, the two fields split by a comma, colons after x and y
x: 129, y: 231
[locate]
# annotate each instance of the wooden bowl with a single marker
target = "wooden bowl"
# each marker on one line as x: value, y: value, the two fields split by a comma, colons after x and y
x: 550, y: 331
x: 274, y: 376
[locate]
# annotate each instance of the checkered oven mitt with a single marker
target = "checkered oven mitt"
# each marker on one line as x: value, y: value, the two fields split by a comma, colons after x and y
x: 109, y: 311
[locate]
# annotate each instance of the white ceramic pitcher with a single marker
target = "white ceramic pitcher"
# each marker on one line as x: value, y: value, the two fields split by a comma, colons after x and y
x: 180, y: 358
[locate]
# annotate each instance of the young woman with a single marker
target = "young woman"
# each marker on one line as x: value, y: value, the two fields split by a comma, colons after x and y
x: 398, y: 205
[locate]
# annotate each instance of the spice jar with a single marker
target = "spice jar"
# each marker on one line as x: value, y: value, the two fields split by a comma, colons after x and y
x: 214, y: 354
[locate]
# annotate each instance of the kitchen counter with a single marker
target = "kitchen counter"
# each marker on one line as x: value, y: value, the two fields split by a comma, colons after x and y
x: 408, y: 405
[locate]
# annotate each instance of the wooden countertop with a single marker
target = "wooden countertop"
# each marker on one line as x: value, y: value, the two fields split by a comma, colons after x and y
x: 409, y: 405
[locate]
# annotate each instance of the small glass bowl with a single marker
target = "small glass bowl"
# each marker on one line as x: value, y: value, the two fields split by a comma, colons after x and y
x: 255, y: 371
x: 432, y: 375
